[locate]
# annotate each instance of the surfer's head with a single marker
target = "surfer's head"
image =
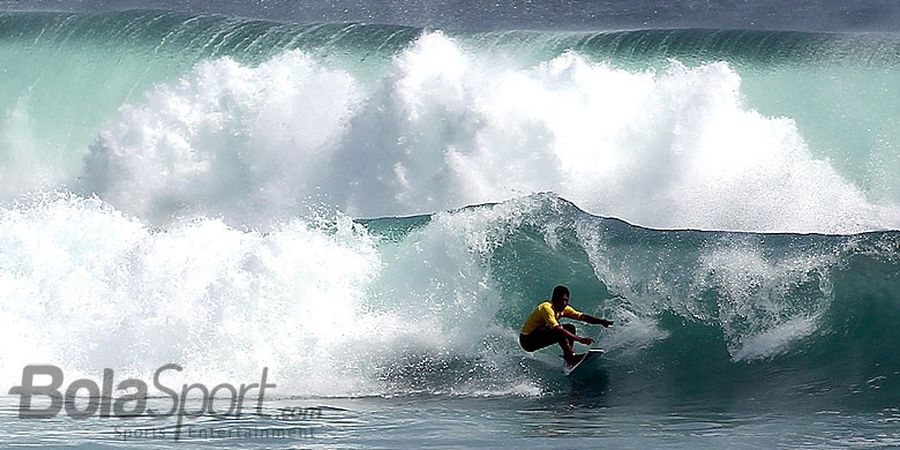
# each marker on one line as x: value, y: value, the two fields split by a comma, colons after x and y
x: 560, y: 298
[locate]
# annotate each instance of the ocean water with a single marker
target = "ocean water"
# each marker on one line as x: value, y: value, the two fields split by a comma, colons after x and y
x: 368, y: 209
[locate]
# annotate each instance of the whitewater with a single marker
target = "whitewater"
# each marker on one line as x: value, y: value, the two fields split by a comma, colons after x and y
x: 233, y: 194
x: 203, y: 116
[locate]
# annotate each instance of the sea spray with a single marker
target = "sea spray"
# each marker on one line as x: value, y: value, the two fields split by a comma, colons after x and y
x: 251, y: 121
x: 445, y: 128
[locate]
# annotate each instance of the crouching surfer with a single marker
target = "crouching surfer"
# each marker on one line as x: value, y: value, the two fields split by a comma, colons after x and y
x: 542, y: 327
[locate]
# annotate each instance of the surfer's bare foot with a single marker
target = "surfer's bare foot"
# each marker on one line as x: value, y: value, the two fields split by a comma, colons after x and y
x: 575, y: 358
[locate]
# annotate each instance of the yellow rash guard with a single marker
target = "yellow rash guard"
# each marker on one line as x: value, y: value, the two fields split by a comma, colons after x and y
x: 545, y: 316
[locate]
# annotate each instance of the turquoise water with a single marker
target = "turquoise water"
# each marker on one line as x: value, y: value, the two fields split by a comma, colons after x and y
x: 370, y: 211
x: 583, y: 421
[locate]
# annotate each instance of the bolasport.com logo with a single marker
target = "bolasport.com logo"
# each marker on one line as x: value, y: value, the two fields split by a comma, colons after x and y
x: 85, y: 398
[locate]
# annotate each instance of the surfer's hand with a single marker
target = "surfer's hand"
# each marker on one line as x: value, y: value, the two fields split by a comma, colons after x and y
x: 605, y: 322
x: 586, y: 341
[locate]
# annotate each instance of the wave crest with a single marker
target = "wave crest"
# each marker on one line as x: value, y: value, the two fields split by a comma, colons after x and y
x: 446, y: 128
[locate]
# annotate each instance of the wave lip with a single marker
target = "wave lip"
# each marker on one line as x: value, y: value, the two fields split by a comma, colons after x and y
x: 445, y: 127
x: 252, y: 120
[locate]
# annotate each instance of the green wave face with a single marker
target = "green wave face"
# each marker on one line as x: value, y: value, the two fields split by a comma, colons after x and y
x: 795, y: 319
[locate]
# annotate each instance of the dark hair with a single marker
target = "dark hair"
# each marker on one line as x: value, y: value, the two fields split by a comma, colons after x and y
x: 559, y: 291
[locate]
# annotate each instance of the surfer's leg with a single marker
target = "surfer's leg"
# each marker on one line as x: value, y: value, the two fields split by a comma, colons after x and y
x: 566, y: 344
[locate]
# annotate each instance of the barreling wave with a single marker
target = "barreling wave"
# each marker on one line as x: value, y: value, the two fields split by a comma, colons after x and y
x: 215, y: 36
x: 432, y: 304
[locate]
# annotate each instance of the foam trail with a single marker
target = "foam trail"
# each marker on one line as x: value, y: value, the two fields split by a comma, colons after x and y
x: 225, y: 303
x: 446, y: 127
x: 216, y: 299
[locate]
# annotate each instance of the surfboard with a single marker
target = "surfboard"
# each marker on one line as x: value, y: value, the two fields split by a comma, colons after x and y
x: 591, y: 354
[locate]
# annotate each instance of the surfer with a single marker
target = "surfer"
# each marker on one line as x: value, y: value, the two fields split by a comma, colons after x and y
x: 542, y: 327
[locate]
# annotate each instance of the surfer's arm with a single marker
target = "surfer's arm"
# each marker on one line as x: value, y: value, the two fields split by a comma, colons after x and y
x: 567, y: 334
x: 595, y: 320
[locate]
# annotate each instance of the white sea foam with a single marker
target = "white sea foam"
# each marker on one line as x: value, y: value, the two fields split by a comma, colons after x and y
x: 776, y: 339
x: 327, y: 308
x: 765, y: 303
x: 764, y: 300
x: 446, y: 127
